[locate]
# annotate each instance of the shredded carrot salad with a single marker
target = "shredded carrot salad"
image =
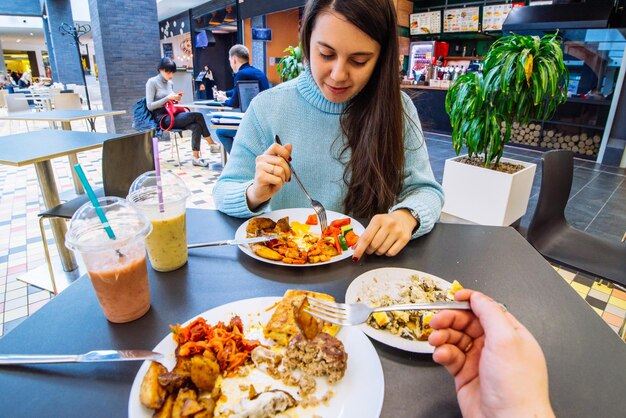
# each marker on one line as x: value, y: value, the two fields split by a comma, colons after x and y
x: 227, y: 342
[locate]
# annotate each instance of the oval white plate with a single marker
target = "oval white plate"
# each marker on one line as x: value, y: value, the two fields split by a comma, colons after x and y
x: 393, y: 277
x: 359, y: 394
x: 300, y: 215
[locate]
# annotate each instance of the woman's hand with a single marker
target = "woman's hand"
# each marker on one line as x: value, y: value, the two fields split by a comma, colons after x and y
x: 497, y: 365
x: 386, y: 234
x: 272, y: 171
x: 174, y: 96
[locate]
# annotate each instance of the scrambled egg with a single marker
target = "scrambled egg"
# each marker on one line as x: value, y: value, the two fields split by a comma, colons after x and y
x: 411, y: 325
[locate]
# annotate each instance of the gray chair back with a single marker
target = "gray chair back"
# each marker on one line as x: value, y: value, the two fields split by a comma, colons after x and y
x: 124, y: 159
x: 16, y: 103
x: 67, y: 101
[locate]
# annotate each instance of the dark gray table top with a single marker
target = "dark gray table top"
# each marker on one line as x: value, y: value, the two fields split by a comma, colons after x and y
x: 61, y: 115
x: 31, y: 147
x: 586, y: 360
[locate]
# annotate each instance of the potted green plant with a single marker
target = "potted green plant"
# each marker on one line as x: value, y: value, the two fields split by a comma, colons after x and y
x: 524, y: 78
x: 290, y: 66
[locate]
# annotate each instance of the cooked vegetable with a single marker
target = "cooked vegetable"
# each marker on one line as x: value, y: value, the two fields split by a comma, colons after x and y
x: 311, y: 220
x: 263, y: 251
x: 183, y: 395
x: 338, y: 223
x: 342, y: 242
x: 166, y: 410
x: 204, y: 370
x: 351, y: 238
x: 308, y: 325
x: 173, y: 381
x: 191, y: 407
x: 345, y: 229
x: 151, y: 393
x: 227, y: 342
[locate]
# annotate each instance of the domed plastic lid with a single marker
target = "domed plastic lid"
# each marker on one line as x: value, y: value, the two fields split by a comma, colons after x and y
x: 87, y: 233
x: 144, y: 193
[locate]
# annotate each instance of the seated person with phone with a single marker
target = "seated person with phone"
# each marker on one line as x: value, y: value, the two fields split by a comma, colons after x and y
x: 160, y: 90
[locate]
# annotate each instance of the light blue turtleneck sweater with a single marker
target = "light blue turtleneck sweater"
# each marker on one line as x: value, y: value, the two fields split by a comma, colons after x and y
x: 300, y: 115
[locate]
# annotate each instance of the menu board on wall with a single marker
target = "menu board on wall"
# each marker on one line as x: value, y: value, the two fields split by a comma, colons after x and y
x: 461, y: 20
x: 424, y: 23
x: 494, y: 16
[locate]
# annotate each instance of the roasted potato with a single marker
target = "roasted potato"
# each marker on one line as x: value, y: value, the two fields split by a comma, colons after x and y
x: 183, y: 365
x: 264, y: 252
x: 191, y: 407
x: 256, y: 226
x: 282, y: 225
x: 329, y: 250
x: 183, y: 395
x: 151, y: 393
x: 207, y: 400
x: 173, y: 381
x: 204, y: 371
x: 166, y: 410
x: 308, y: 325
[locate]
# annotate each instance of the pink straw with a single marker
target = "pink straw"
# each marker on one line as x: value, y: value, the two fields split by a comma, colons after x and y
x: 157, y: 166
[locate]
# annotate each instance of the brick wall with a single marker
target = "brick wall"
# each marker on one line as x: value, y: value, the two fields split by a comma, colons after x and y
x: 63, y: 51
x: 126, y: 39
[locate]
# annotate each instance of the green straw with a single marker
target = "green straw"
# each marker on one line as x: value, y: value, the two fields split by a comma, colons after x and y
x: 94, y: 201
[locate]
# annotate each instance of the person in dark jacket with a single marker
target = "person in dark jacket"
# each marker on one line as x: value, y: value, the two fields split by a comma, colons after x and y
x: 239, y: 56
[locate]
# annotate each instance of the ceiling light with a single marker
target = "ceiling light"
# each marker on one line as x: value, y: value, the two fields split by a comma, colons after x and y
x: 32, y: 34
x: 19, y: 40
x: 214, y: 20
x: 230, y: 16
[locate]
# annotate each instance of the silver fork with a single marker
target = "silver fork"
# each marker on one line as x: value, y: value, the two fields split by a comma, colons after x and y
x: 346, y: 314
x: 317, y: 206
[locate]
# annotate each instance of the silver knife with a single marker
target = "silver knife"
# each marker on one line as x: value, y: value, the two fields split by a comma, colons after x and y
x: 235, y: 241
x: 90, y: 357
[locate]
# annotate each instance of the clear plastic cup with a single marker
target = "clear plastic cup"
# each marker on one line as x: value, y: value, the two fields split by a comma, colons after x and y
x: 117, y: 267
x: 167, y: 244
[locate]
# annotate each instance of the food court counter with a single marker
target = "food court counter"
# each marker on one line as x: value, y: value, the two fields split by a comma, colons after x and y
x: 430, y: 103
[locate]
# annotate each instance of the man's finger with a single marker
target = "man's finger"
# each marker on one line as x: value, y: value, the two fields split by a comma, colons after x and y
x: 450, y: 336
x: 450, y: 357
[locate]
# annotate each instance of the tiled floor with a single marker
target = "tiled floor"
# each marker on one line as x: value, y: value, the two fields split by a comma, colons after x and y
x: 597, y: 205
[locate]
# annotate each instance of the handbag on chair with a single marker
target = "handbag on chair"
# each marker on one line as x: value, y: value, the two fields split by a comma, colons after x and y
x: 172, y: 110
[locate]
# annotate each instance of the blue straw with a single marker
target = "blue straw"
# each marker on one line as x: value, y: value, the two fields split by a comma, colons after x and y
x: 94, y: 201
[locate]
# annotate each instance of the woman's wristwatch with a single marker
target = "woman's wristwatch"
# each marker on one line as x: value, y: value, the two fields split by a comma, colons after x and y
x: 417, y: 219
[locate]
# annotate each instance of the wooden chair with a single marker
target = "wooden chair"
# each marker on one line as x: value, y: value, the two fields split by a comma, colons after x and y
x: 551, y: 234
x: 123, y: 160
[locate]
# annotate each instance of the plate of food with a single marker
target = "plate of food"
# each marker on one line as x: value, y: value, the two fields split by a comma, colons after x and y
x: 406, y: 330
x: 262, y: 354
x: 302, y: 243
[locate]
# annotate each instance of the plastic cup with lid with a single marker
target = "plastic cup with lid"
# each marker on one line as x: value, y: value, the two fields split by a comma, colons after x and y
x: 117, y: 267
x: 167, y: 244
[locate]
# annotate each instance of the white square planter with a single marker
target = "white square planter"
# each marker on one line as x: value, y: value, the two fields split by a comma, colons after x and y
x: 484, y: 196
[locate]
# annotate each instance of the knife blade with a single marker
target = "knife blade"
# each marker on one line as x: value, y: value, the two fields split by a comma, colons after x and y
x: 90, y: 357
x: 235, y: 241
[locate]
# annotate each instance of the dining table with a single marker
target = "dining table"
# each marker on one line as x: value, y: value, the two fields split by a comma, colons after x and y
x: 39, y: 148
x: 65, y: 117
x: 586, y: 360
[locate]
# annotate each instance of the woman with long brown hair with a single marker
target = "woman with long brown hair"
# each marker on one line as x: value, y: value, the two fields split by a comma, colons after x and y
x: 353, y: 137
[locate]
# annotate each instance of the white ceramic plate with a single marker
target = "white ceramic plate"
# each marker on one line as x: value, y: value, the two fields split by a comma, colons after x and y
x: 359, y: 394
x: 391, y: 278
x: 300, y: 215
